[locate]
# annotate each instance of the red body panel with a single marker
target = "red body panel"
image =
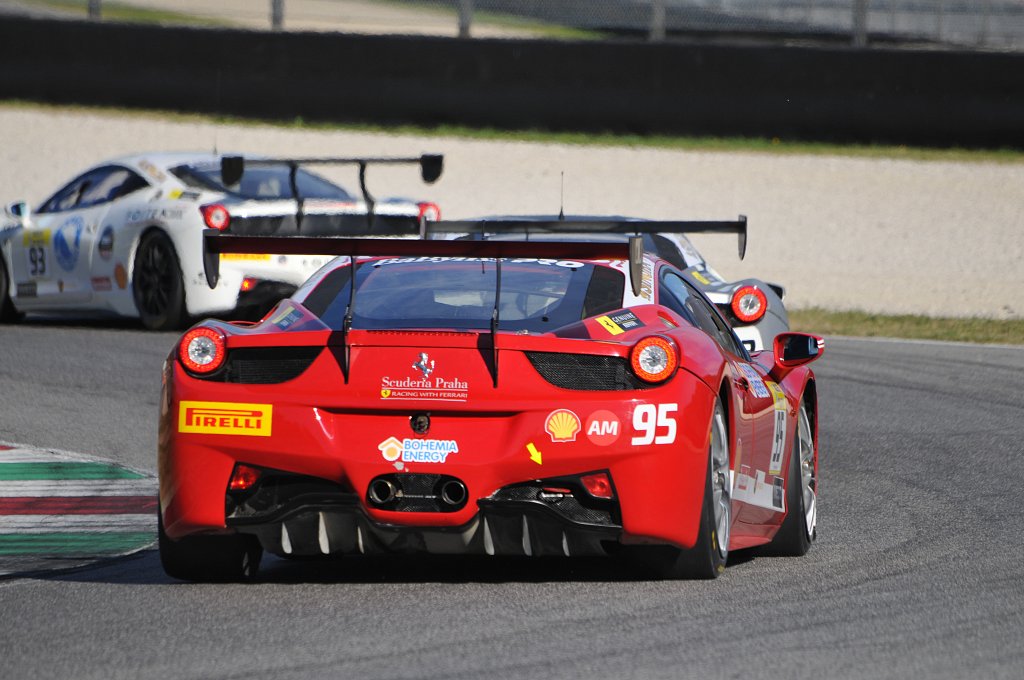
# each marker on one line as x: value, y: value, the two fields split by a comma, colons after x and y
x: 323, y: 427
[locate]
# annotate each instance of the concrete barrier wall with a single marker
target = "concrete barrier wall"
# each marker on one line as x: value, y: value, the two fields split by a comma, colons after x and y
x: 913, y: 97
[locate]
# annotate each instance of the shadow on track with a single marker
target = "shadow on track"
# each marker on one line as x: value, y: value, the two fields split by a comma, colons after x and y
x: 144, y: 568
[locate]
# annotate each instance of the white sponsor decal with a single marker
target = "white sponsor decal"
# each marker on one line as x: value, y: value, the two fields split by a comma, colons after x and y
x: 779, y: 437
x: 759, y: 490
x: 756, y: 381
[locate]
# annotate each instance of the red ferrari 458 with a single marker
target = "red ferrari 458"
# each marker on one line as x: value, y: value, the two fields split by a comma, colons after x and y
x: 484, y: 397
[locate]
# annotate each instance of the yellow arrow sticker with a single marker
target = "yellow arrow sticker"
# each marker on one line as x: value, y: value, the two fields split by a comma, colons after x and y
x: 534, y: 453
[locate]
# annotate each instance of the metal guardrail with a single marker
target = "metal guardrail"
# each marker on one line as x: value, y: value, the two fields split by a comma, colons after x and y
x: 971, y: 24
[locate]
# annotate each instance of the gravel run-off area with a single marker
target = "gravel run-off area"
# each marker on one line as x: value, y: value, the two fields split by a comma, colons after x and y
x: 940, y: 238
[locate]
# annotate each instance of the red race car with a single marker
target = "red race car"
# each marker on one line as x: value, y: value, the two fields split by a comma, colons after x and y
x: 484, y: 397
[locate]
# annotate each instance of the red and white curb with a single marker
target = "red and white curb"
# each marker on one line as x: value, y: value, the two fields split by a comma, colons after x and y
x: 62, y: 510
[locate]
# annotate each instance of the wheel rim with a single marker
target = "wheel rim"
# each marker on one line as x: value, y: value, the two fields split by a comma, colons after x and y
x: 808, y: 482
x: 720, y: 481
x: 154, y: 277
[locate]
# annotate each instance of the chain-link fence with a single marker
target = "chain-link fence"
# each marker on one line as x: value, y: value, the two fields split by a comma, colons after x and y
x: 976, y: 24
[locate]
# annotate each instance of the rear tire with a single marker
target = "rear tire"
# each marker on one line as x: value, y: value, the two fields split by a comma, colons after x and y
x: 217, y: 559
x: 8, y: 313
x: 156, y: 283
x: 799, y: 529
x: 707, y: 558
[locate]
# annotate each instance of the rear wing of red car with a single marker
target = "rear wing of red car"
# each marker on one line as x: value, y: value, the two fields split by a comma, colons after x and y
x: 215, y: 242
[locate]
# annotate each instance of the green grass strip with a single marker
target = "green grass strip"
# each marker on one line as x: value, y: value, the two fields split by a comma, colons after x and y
x: 765, y: 146
x: 115, y: 11
x: 74, y: 543
x: 19, y: 472
x: 909, y: 326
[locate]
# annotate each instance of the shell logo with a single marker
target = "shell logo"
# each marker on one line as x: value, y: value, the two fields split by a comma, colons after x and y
x: 562, y: 425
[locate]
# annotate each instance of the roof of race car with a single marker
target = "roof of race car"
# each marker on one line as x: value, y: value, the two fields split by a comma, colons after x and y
x: 155, y: 165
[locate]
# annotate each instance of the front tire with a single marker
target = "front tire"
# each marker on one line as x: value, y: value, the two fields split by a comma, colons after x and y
x: 799, y: 529
x: 707, y: 558
x: 217, y: 559
x: 156, y: 283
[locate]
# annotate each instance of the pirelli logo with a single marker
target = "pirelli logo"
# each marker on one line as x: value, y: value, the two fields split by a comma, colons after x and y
x: 220, y: 417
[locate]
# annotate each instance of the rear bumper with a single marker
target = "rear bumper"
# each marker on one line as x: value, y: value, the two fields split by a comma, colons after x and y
x: 323, y: 526
x: 298, y: 515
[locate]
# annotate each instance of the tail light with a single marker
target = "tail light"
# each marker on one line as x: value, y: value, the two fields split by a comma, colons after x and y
x: 430, y: 212
x: 202, y: 350
x: 598, y: 485
x: 749, y: 304
x: 244, y: 477
x: 216, y: 216
x: 248, y: 283
x: 654, y: 359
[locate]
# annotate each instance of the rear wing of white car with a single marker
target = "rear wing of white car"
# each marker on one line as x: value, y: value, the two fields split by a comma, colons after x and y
x: 232, y: 169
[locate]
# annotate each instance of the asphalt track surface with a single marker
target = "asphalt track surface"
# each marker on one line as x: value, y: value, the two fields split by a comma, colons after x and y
x: 917, y: 571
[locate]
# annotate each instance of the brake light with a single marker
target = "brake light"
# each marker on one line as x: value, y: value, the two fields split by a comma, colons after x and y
x: 429, y: 211
x: 598, y: 485
x: 216, y: 216
x: 202, y: 350
x: 654, y: 359
x: 243, y: 478
x: 749, y: 304
x: 248, y: 283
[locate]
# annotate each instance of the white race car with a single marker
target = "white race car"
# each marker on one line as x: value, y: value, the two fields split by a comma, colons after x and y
x: 124, y: 238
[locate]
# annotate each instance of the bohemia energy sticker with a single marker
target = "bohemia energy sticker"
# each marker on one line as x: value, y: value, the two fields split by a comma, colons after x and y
x: 219, y: 417
x: 616, y: 324
x: 417, y: 450
x: 779, y: 438
x: 562, y: 425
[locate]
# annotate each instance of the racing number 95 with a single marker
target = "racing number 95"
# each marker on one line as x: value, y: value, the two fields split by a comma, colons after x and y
x: 654, y: 424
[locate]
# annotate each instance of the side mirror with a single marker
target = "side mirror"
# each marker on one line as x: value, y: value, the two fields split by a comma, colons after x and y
x: 431, y: 166
x: 19, y: 210
x: 797, y: 349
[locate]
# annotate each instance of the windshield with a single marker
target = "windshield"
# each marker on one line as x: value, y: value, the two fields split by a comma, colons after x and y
x: 262, y: 182
x: 536, y: 295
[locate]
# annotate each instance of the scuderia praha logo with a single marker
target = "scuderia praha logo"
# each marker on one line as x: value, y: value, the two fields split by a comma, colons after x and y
x: 219, y: 417
x: 424, y: 383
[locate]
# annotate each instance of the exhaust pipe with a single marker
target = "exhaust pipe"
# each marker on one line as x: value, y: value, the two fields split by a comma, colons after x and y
x: 382, y: 491
x: 453, y: 492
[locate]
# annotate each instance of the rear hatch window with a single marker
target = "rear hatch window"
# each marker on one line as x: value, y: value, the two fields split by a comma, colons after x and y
x: 535, y: 295
x: 262, y: 182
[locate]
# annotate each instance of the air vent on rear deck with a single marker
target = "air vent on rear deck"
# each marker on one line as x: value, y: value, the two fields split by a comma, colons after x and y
x: 268, y: 365
x: 585, y: 371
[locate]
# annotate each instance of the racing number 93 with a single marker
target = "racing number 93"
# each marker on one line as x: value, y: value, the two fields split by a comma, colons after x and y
x: 36, y: 261
x: 654, y: 424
